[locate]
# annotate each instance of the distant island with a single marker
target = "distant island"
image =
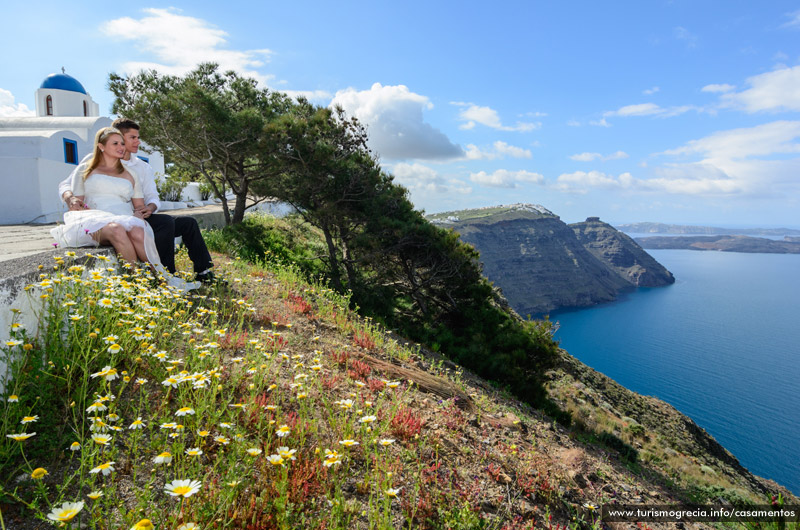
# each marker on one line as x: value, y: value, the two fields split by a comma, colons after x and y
x: 723, y: 243
x: 661, y: 228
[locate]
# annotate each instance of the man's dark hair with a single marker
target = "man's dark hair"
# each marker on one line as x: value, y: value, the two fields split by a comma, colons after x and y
x: 124, y: 125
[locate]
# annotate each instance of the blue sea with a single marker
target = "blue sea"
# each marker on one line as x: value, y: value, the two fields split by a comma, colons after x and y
x: 722, y: 345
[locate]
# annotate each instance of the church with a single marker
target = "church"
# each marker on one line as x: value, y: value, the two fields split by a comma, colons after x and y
x: 36, y: 153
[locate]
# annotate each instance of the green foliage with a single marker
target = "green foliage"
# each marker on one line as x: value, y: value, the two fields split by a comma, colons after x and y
x: 261, y: 238
x: 170, y: 187
x: 711, y: 494
x: 626, y: 451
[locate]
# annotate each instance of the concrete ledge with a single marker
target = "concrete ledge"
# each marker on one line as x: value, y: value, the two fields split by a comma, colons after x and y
x: 18, y: 241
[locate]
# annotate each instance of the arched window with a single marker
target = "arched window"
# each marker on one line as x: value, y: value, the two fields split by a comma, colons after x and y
x: 49, y: 105
x: 85, y: 108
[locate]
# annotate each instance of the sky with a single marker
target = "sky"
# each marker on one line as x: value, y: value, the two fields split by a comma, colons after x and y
x: 683, y: 111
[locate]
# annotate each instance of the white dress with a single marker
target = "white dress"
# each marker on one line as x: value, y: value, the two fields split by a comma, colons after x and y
x: 109, y: 201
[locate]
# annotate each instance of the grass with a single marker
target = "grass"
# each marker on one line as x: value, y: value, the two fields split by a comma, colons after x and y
x: 235, y: 408
x: 261, y: 404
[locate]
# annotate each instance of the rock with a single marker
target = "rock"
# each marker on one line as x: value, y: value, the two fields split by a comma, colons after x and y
x: 541, y: 264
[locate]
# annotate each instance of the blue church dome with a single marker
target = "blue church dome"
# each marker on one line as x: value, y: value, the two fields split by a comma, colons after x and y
x: 63, y: 82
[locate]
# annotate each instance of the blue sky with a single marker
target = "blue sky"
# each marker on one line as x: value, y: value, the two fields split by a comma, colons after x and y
x: 679, y: 112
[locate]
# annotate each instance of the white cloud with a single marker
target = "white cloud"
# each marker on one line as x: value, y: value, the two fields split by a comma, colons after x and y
x: 641, y: 109
x: 581, y: 181
x: 573, y: 123
x: 498, y: 150
x: 9, y: 109
x: 396, y: 126
x: 503, y: 178
x: 777, y: 137
x: 419, y: 178
x: 750, y: 161
x: 600, y: 123
x: 683, y: 34
x: 473, y: 114
x: 718, y: 88
x: 771, y: 92
x: 651, y: 91
x: 650, y: 109
x: 794, y: 20
x: 589, y: 157
x: 179, y: 43
x: 315, y: 96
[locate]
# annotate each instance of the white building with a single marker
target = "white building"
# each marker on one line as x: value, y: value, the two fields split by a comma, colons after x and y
x: 37, y: 153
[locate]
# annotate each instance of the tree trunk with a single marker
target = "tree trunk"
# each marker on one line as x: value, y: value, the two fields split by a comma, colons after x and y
x: 333, y: 260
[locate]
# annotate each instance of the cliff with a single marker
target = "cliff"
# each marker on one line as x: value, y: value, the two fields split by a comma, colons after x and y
x: 621, y: 253
x: 542, y: 264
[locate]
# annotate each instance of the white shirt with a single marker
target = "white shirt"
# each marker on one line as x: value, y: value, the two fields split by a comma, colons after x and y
x: 145, y: 172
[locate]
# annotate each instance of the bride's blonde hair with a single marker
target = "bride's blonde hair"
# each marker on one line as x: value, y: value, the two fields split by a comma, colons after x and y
x: 101, y: 138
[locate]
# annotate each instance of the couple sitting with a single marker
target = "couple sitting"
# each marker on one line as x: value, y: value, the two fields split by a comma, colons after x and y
x: 112, y: 200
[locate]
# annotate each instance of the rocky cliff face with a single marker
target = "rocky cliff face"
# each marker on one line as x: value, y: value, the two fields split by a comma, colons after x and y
x: 542, y: 264
x: 621, y: 253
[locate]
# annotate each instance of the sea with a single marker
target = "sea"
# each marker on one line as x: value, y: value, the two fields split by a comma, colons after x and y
x: 722, y: 345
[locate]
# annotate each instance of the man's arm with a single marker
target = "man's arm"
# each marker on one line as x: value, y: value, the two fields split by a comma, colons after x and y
x: 147, y: 176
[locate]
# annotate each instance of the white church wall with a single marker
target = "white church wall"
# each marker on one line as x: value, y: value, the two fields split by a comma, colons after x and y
x: 65, y: 103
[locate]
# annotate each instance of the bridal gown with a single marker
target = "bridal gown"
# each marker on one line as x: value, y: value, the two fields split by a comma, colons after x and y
x: 109, y: 201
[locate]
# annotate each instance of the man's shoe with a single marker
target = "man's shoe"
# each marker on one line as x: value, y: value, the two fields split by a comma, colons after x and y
x: 206, y: 277
x: 209, y: 278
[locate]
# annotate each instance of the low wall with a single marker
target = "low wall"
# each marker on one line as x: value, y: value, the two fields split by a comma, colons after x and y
x: 21, y: 306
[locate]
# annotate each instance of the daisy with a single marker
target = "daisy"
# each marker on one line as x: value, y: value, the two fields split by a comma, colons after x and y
x: 253, y: 451
x: 275, y: 460
x: 392, y: 492
x: 348, y: 443
x: 96, y: 406
x: 203, y: 433
x: 367, y: 419
x: 170, y: 425
x: 106, y: 468
x: 188, y: 526
x: 101, y: 439
x: 20, y: 437
x: 222, y: 440
x: 65, y: 512
x: 13, y: 398
x: 195, y: 451
x: 386, y: 441
x: 29, y: 419
x: 286, y: 453
x: 144, y: 524
x: 75, y: 446
x: 183, y: 411
x: 332, y: 458
x: 163, y: 458
x: 137, y: 424
x: 105, y: 302
x: 226, y: 425
x: 114, y: 348
x: 39, y: 472
x: 94, y: 495
x: 282, y: 431
x: 183, y: 488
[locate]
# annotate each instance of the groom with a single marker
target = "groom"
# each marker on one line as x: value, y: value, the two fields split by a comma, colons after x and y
x: 165, y: 227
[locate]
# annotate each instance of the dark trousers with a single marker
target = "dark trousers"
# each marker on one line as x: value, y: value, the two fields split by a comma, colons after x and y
x: 166, y: 228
